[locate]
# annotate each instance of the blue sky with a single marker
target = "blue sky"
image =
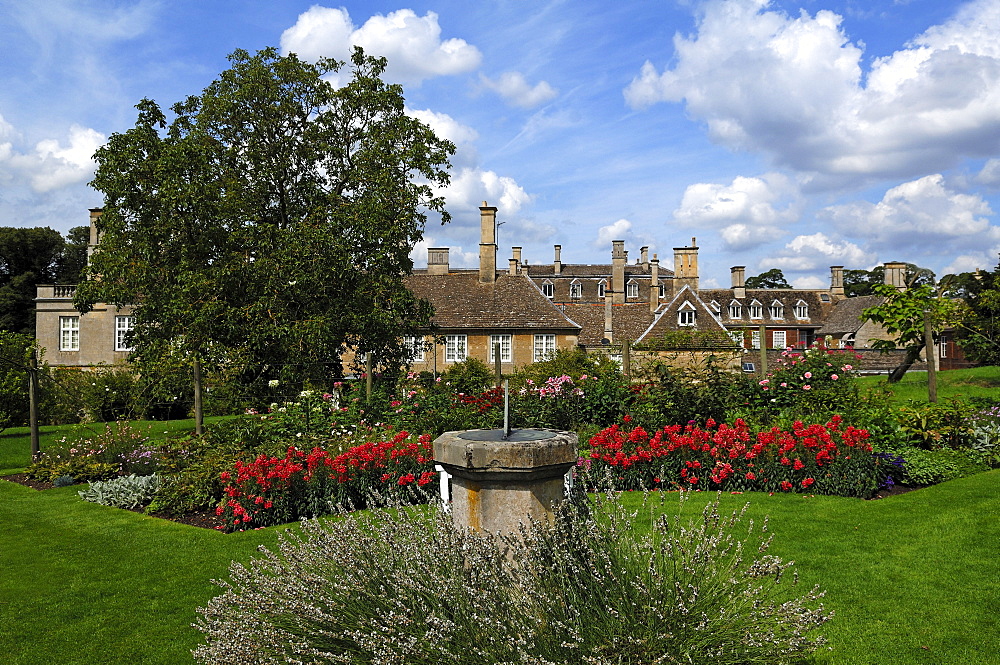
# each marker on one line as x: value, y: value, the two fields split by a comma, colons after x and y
x: 790, y: 134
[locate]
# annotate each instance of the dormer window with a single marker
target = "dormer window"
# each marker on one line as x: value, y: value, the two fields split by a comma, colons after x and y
x: 601, y: 286
x: 777, y: 310
x: 547, y: 289
x: 735, y: 310
x: 632, y: 289
x: 686, y: 315
x: 575, y: 289
x: 825, y: 297
x: 756, y: 310
x: 801, y: 310
x: 716, y: 307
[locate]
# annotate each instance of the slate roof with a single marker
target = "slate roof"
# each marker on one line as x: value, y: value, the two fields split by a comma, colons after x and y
x: 592, y: 270
x: 666, y: 316
x: 512, y: 302
x: 846, y: 315
x: 818, y: 310
x: 628, y: 321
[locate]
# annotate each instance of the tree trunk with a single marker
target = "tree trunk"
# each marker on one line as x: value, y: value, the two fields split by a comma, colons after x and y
x: 912, y: 356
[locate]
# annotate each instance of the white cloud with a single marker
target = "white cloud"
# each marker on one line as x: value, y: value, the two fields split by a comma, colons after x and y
x: 457, y: 257
x: 516, y: 90
x: 817, y: 250
x: 990, y: 174
x: 412, y: 44
x: 923, y: 213
x: 470, y: 187
x: 793, y: 87
x: 985, y: 260
x: 620, y: 230
x: 51, y: 165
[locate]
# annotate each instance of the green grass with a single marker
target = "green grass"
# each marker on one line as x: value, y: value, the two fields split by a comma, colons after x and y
x: 914, y: 579
x: 955, y: 383
x: 15, y: 442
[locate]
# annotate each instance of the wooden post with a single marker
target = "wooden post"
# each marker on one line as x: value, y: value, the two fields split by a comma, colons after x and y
x: 199, y: 413
x: 368, y: 377
x: 496, y: 360
x: 929, y: 352
x: 763, y: 351
x: 33, y: 404
x: 627, y: 360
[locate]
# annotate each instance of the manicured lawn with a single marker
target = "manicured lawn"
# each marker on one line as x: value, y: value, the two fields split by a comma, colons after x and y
x: 913, y: 578
x: 963, y: 383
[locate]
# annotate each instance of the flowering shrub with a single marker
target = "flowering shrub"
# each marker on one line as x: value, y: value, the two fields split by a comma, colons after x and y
x: 820, y: 458
x: 272, y: 490
x: 119, y: 450
x: 816, y: 381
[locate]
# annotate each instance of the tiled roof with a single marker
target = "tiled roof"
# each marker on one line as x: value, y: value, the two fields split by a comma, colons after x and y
x: 512, y: 302
x: 846, y: 315
x: 818, y: 309
x: 666, y: 316
x: 628, y: 321
x: 592, y: 270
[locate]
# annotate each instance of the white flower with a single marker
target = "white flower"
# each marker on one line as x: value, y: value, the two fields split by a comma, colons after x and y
x: 273, y: 383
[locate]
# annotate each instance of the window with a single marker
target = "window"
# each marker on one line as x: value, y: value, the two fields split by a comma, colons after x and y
x: 123, y: 326
x: 778, y: 338
x: 660, y: 290
x: 632, y: 289
x: 415, y: 346
x: 756, y: 310
x: 801, y: 310
x: 825, y: 297
x: 777, y: 310
x: 69, y: 333
x: 737, y: 336
x: 943, y: 348
x: 686, y: 314
x: 735, y: 310
x: 505, y: 348
x: 575, y: 289
x: 601, y: 286
x: 545, y: 347
x: 455, y: 348
x: 716, y: 307
x: 755, y: 340
x: 547, y: 289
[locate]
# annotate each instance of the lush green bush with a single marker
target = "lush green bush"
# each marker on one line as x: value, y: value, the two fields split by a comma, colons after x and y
x: 930, y: 467
x: 15, y: 350
x: 670, y: 395
x: 407, y: 586
x: 469, y: 376
x: 119, y: 449
x: 948, y: 424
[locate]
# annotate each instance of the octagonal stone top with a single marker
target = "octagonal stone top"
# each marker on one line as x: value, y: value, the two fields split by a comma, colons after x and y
x: 524, y: 450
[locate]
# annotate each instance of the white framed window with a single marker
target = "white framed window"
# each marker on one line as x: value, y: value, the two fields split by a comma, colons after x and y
x: 735, y: 310
x: 801, y: 310
x: 778, y: 338
x: 547, y: 290
x: 545, y: 347
x: 716, y: 307
x: 456, y: 348
x: 943, y: 348
x: 123, y: 326
x: 575, y: 289
x: 506, y: 345
x: 756, y: 310
x: 660, y: 290
x: 777, y: 310
x: 69, y: 333
x: 601, y: 286
x: 737, y: 336
x: 632, y: 289
x: 755, y: 339
x: 415, y: 346
x: 686, y: 314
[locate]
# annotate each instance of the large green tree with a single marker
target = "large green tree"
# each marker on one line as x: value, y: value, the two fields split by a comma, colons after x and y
x: 769, y: 279
x: 863, y: 282
x: 979, y: 329
x: 271, y: 219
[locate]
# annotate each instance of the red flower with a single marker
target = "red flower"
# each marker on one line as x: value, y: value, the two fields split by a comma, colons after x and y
x: 785, y: 486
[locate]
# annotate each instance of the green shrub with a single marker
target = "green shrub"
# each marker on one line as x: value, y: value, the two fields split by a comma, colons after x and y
x: 128, y: 492
x: 118, y: 449
x: 406, y: 586
x: 949, y: 424
x: 469, y: 376
x: 930, y: 467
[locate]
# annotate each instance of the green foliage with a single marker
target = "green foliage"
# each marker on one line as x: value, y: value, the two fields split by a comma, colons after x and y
x: 672, y: 340
x: 117, y: 450
x: 469, y: 376
x: 266, y: 198
x: 930, y: 467
x: 863, y: 282
x: 15, y: 351
x: 588, y: 589
x: 770, y: 279
x: 948, y: 424
x: 817, y: 382
x: 671, y: 395
x: 129, y: 492
x: 978, y: 332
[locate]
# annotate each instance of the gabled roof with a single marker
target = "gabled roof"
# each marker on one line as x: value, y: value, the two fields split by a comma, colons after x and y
x: 789, y: 298
x: 846, y: 315
x: 512, y: 302
x: 628, y: 321
x: 666, y: 316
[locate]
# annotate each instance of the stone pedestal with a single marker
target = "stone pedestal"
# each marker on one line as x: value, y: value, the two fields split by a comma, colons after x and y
x: 499, y: 483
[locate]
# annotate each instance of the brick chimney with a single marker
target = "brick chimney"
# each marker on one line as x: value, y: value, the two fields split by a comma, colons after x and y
x: 837, y: 281
x: 738, y: 274
x: 487, y: 244
x: 686, y: 266
x: 437, y: 261
x: 895, y: 274
x: 654, y: 284
x: 557, y: 263
x: 619, y: 257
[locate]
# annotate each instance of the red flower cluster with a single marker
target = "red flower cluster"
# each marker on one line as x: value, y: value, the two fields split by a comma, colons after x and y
x: 730, y: 456
x: 483, y: 402
x: 271, y: 490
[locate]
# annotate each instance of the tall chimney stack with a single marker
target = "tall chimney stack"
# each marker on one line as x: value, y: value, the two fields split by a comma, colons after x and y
x: 437, y: 261
x: 837, y: 281
x: 557, y: 263
x: 487, y: 244
x: 654, y: 284
x: 686, y: 266
x: 619, y: 257
x: 895, y: 274
x: 738, y: 274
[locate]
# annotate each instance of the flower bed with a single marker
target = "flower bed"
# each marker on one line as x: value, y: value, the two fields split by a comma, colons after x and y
x: 274, y: 490
x: 825, y: 458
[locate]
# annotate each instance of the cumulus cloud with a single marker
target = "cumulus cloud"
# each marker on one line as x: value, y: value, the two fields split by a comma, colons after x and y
x: 922, y: 213
x: 516, y: 90
x: 990, y: 174
x: 457, y: 257
x: 412, y: 44
x: 793, y: 87
x: 810, y: 252
x: 748, y: 212
x: 51, y: 165
x: 620, y: 230
x: 470, y: 187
